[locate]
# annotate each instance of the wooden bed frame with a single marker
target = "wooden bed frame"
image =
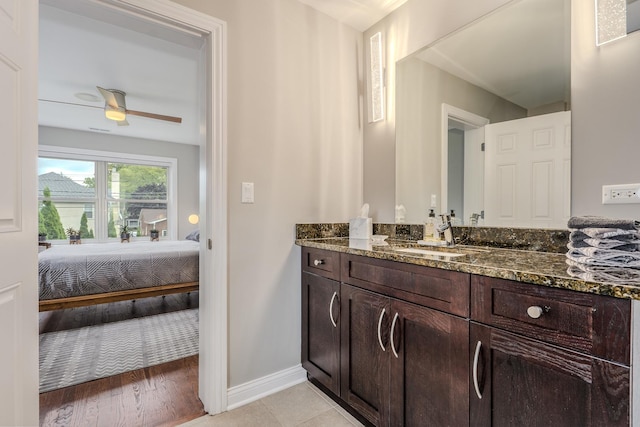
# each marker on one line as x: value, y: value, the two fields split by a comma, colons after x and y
x: 93, y: 299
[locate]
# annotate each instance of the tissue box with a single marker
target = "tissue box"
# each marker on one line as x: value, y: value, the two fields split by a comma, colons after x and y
x: 360, y: 228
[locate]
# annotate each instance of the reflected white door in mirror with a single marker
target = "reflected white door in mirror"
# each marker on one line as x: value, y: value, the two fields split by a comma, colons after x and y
x: 462, y: 167
x: 515, y: 173
x: 528, y: 172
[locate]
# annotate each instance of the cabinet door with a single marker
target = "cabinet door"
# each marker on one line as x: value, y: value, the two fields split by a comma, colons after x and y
x: 429, y: 379
x: 522, y: 382
x: 364, y: 353
x: 320, y: 330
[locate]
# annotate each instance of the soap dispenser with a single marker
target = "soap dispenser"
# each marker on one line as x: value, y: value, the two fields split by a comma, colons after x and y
x: 454, y: 220
x: 430, y: 229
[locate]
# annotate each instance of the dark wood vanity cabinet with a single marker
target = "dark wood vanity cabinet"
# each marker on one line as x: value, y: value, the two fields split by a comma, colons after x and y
x: 408, y: 345
x: 547, y: 357
x: 364, y: 357
x: 429, y: 377
x: 523, y: 382
x: 321, y: 317
x: 404, y: 364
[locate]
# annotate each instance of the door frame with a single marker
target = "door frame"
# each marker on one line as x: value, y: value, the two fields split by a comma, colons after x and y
x: 460, y: 115
x: 213, y: 364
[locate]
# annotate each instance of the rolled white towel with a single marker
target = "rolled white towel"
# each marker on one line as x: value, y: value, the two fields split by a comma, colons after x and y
x: 604, y: 257
x: 594, y: 273
x: 603, y: 233
x: 619, y: 245
x: 599, y: 222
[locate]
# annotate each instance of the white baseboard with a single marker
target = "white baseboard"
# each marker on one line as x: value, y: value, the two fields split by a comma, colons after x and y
x: 257, y: 389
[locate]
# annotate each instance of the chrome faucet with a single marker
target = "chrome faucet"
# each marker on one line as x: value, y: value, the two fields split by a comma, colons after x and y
x: 446, y: 229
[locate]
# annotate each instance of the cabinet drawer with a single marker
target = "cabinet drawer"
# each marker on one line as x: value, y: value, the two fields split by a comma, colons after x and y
x: 321, y: 262
x: 593, y: 324
x: 443, y: 290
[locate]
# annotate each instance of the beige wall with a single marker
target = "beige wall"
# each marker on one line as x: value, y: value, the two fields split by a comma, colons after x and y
x: 605, y: 116
x: 188, y: 161
x: 295, y: 130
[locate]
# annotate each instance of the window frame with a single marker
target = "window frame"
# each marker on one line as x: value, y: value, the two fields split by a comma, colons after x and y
x: 101, y: 201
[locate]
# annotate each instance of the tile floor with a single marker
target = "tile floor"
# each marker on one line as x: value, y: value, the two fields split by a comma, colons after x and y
x: 300, y: 405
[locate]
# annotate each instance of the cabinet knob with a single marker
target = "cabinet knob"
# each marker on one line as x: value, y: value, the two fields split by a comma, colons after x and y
x: 318, y: 262
x: 536, y: 311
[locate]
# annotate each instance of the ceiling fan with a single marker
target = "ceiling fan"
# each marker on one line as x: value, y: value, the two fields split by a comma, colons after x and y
x: 115, y: 108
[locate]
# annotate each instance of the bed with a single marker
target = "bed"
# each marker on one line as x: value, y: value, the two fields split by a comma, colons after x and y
x: 87, y: 274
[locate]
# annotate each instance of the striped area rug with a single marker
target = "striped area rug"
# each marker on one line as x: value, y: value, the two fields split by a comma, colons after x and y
x: 80, y: 355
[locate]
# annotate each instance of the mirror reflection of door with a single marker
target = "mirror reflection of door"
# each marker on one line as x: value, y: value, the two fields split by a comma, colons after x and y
x: 527, y: 171
x: 465, y: 191
x: 462, y: 165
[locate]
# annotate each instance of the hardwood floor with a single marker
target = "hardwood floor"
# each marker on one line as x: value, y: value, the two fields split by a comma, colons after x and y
x: 161, y: 395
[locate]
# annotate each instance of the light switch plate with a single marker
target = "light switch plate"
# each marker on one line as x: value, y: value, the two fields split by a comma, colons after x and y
x: 247, y: 192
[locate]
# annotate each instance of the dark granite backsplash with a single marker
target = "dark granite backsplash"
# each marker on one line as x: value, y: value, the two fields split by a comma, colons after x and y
x: 532, y: 239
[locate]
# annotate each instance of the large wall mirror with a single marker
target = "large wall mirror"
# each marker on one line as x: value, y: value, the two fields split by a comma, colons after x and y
x: 483, y: 120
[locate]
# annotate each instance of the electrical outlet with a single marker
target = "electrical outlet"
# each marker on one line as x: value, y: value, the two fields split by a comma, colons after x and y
x: 620, y: 194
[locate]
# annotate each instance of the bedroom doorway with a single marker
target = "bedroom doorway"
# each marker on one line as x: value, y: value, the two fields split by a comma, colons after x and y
x: 167, y: 18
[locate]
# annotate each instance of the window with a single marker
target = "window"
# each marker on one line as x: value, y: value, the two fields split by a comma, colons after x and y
x: 97, y: 193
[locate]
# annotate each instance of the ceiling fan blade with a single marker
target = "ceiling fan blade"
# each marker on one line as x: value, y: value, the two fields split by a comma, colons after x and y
x: 109, y: 98
x: 155, y: 116
x: 69, y: 103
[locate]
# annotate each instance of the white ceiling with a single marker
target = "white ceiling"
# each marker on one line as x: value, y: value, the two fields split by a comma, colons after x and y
x: 521, y: 53
x: 359, y: 14
x: 78, y: 53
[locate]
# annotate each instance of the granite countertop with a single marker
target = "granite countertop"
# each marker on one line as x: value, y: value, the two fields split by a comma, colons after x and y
x: 539, y: 268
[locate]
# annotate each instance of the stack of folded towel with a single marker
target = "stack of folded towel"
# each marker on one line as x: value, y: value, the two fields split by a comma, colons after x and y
x: 603, y: 249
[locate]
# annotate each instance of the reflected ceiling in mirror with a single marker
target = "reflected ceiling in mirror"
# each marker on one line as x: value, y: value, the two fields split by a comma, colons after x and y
x: 511, y: 64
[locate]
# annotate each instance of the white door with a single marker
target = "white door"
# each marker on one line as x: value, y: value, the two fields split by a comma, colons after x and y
x: 18, y: 213
x: 527, y: 172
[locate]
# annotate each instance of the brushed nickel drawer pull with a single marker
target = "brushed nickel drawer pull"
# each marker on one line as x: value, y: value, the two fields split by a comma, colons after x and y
x: 379, y: 326
x: 393, y: 329
x: 476, y: 356
x: 535, y: 311
x: 318, y: 262
x: 333, y: 298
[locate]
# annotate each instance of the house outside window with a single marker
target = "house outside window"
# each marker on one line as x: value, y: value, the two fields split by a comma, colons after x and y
x: 64, y: 198
x: 98, y: 193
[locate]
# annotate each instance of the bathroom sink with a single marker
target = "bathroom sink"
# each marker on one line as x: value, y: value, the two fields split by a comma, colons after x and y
x: 417, y: 251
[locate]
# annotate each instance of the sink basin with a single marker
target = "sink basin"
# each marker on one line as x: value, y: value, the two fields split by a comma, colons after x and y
x: 417, y: 251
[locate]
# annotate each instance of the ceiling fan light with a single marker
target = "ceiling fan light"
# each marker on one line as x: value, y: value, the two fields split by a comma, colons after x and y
x: 116, y: 114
